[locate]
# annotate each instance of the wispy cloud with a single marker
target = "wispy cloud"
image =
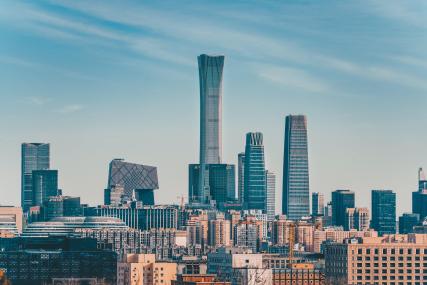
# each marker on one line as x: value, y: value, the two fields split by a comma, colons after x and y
x: 72, y: 108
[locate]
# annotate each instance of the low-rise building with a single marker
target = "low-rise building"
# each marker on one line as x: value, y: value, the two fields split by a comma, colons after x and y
x: 198, y: 279
x: 391, y: 260
x: 142, y: 269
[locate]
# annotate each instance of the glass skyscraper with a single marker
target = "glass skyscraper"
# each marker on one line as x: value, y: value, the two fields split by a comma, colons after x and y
x: 240, y: 176
x: 34, y: 156
x: 221, y: 182
x: 270, y: 179
x: 210, y: 81
x: 341, y: 201
x: 296, y: 194
x: 384, y: 211
x: 45, y: 185
x: 255, y: 196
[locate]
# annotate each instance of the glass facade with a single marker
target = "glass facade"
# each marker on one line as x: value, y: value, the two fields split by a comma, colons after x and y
x: 341, y: 201
x: 34, y: 156
x: 296, y: 193
x: 220, y: 182
x: 210, y: 81
x: 270, y: 179
x: 132, y: 176
x: 384, y: 211
x: 254, y: 183
x: 240, y: 175
x: 45, y: 184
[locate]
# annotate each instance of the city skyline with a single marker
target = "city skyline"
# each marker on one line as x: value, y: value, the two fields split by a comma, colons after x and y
x: 74, y: 125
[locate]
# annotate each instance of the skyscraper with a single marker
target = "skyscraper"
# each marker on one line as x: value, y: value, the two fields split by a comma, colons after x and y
x: 341, y: 201
x: 317, y: 204
x: 407, y: 222
x: 220, y: 179
x: 132, y: 176
x: 296, y: 194
x: 419, y: 198
x: 270, y: 179
x: 34, y: 156
x: 45, y: 184
x: 210, y: 81
x: 240, y: 175
x: 384, y: 211
x: 255, y: 186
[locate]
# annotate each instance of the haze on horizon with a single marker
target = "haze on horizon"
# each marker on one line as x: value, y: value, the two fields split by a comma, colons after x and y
x: 102, y: 80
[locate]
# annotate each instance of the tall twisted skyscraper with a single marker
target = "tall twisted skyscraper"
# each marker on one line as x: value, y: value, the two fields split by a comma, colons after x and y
x: 296, y: 194
x: 210, y: 80
x: 34, y: 156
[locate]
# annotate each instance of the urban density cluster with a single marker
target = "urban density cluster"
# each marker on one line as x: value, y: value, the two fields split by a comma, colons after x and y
x: 218, y: 236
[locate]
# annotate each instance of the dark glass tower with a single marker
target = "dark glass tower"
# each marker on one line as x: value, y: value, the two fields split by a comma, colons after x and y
x: 296, y: 193
x: 210, y: 81
x: 384, y: 211
x: 34, y: 156
x: 419, y: 198
x: 341, y: 201
x: 240, y: 176
x: 45, y: 184
x: 255, y: 193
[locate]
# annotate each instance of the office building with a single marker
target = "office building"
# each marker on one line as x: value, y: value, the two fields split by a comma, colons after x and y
x: 255, y: 194
x: 45, y: 184
x: 11, y: 221
x: 240, y: 176
x: 384, y: 211
x: 34, y: 156
x: 419, y: 198
x: 220, y: 183
x: 327, y: 212
x: 356, y: 218
x: 132, y: 176
x: 341, y: 201
x: 145, y: 270
x: 142, y: 218
x: 53, y: 259
x: 114, y: 196
x: 270, y: 180
x: 296, y: 194
x: 395, y: 259
x: 407, y: 222
x: 317, y: 204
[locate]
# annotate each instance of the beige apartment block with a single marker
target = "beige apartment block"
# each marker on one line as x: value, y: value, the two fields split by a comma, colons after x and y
x: 142, y: 269
x: 388, y: 260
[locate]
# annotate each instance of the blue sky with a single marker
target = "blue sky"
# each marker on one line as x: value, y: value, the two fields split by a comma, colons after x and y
x: 107, y: 79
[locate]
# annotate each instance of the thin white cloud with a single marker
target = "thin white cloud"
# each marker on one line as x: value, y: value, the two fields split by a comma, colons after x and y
x: 72, y: 108
x: 293, y: 78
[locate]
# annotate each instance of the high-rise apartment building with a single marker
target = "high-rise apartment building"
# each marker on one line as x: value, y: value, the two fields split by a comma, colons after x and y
x: 240, y: 176
x: 341, y: 201
x: 270, y: 179
x: 210, y: 81
x: 296, y: 194
x: 45, y: 184
x: 384, y: 211
x: 317, y: 204
x: 34, y: 156
x: 255, y: 186
x: 219, y: 233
